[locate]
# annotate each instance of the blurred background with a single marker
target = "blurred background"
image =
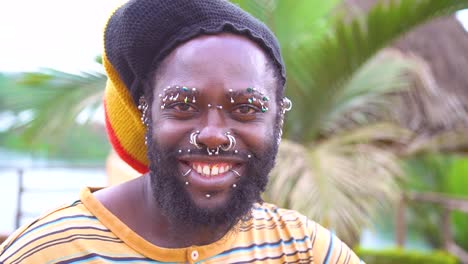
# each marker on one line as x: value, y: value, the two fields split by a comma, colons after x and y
x: 376, y: 147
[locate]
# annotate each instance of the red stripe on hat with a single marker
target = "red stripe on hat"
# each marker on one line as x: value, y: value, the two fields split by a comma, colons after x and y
x: 123, y: 154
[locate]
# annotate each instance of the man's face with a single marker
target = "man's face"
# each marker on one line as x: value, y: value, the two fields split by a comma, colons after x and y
x: 190, y: 185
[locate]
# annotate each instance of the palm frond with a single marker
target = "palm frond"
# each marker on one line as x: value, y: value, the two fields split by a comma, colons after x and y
x: 339, y: 182
x: 55, y: 99
x: 321, y: 71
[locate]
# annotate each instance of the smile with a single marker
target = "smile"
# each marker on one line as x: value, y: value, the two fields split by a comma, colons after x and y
x: 211, y: 169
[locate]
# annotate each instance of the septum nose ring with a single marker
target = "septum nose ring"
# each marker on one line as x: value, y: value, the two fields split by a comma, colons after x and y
x: 225, y: 147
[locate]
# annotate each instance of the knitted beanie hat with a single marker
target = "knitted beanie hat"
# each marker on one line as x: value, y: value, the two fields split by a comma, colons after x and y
x: 139, y: 35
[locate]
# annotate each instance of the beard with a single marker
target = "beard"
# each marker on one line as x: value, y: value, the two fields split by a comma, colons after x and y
x: 176, y: 203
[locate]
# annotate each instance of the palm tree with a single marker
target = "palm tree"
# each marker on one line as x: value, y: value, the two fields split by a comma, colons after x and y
x: 336, y: 170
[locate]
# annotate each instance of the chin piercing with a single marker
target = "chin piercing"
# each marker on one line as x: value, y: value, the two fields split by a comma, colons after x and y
x: 187, y: 173
x: 208, y: 195
x: 193, y: 139
x: 231, y: 144
x: 235, y: 172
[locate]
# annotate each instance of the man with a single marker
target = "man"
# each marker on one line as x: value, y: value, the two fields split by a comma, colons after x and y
x: 195, y: 102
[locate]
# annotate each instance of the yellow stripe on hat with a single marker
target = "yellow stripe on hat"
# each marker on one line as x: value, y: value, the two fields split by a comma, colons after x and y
x: 123, y: 121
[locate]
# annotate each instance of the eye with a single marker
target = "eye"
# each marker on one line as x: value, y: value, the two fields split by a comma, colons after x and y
x: 182, y: 107
x: 245, y: 110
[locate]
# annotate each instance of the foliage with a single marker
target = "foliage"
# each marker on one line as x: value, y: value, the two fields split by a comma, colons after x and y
x: 398, y: 256
x: 442, y: 174
x: 337, y: 89
x: 53, y: 101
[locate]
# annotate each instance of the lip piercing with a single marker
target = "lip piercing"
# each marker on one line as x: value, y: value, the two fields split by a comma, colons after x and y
x: 208, y: 195
x: 187, y: 173
x: 193, y: 139
x: 235, y: 172
x: 232, y: 142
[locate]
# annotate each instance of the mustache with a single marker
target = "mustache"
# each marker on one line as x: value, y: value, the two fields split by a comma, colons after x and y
x: 185, y: 152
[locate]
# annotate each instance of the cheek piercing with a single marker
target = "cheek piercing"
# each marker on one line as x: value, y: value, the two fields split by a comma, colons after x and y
x: 187, y: 173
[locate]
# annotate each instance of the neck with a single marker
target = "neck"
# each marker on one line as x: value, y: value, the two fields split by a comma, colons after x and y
x: 165, y: 233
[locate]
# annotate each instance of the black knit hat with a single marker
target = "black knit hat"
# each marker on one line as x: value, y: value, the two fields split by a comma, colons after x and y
x: 141, y: 33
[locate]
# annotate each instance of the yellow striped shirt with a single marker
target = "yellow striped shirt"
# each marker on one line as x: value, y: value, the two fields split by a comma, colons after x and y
x: 86, y: 232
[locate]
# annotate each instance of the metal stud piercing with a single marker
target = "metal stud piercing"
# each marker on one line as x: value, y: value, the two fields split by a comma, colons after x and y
x: 234, y: 185
x: 236, y: 151
x: 180, y: 151
x: 193, y: 139
x: 230, y: 92
x: 209, y: 105
x: 186, y: 183
x: 208, y: 195
x: 249, y: 156
x: 187, y: 173
x: 143, y: 107
x: 220, y: 107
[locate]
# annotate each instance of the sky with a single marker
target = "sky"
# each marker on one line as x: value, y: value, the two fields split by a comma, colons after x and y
x: 58, y: 34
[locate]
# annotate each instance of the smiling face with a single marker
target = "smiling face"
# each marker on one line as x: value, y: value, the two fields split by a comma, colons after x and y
x: 213, y: 87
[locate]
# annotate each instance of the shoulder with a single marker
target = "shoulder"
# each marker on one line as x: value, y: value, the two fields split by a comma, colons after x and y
x: 323, y: 244
x: 51, y: 235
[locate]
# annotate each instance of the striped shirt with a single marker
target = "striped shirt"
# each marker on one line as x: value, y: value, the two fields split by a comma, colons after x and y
x: 86, y: 232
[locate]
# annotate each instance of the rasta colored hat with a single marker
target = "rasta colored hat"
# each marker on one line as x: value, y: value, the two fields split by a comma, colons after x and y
x: 139, y: 35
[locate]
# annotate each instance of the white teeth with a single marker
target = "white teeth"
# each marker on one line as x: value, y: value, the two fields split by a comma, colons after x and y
x: 214, y: 170
x: 199, y: 169
x: 222, y: 170
x: 206, y: 170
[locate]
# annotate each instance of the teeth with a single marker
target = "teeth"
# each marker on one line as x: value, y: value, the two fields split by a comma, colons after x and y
x: 210, y: 170
x: 222, y: 170
x: 199, y: 169
x: 214, y: 170
x: 206, y: 170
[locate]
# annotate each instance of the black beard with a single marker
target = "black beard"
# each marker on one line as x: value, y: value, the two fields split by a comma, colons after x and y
x: 172, y: 197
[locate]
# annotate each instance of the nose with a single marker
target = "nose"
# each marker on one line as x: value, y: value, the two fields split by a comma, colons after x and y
x: 213, y: 133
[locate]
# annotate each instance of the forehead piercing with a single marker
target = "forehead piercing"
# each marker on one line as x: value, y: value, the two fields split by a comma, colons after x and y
x: 208, y: 196
x: 235, y: 172
x: 194, y: 138
x: 187, y: 173
x: 231, y: 144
